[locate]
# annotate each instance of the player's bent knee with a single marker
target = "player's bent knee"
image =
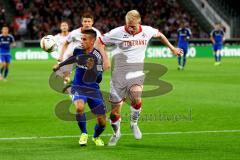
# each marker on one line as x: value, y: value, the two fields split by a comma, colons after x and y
x: 79, y: 106
x: 116, y: 108
x: 135, y: 93
x: 136, y: 88
x: 137, y: 100
x: 101, y: 121
x: 115, y: 112
x: 4, y: 65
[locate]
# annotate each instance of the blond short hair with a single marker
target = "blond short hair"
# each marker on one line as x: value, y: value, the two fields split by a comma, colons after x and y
x: 133, y: 15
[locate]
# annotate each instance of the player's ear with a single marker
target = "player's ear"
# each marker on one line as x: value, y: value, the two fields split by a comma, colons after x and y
x: 93, y: 41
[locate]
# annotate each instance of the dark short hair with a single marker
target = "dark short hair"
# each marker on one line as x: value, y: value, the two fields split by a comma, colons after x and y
x: 5, y: 25
x: 87, y: 15
x: 90, y: 32
x: 64, y: 21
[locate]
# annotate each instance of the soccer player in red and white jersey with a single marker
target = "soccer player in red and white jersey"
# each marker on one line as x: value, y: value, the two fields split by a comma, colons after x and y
x: 128, y: 77
x: 74, y: 39
x: 62, y: 37
x: 60, y: 40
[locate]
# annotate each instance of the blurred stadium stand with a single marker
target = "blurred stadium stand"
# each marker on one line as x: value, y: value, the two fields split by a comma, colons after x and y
x: 42, y: 17
x: 194, y: 12
x: 229, y: 10
x: 32, y: 19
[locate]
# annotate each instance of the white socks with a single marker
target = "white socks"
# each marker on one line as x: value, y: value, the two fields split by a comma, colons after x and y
x: 135, y: 114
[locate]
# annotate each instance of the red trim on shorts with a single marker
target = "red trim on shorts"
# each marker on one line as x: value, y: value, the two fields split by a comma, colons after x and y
x: 117, y: 102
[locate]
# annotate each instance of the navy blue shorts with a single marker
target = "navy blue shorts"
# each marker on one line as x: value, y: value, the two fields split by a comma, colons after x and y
x: 5, y: 58
x: 217, y: 47
x: 94, y: 100
x: 185, y: 49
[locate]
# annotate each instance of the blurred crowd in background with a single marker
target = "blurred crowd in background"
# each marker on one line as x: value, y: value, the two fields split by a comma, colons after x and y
x: 36, y: 18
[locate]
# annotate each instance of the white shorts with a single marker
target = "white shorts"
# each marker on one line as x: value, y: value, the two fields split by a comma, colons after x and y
x: 120, y: 86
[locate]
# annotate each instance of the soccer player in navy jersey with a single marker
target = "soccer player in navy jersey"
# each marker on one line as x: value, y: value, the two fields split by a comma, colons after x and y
x: 184, y: 35
x: 6, y: 42
x: 85, y: 87
x: 217, y: 38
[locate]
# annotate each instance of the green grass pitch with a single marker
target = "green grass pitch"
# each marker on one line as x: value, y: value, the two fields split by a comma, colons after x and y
x: 204, y: 99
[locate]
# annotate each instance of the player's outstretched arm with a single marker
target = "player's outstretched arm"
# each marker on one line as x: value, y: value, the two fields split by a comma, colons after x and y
x: 70, y: 60
x: 101, y: 48
x: 65, y: 45
x: 13, y: 44
x: 164, y: 40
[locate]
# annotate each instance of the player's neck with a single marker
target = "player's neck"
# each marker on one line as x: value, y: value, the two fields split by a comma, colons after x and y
x: 64, y: 33
x: 89, y: 50
x: 84, y: 28
x: 137, y: 31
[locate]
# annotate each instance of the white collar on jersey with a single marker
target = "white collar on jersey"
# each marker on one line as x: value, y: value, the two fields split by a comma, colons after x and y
x: 140, y: 29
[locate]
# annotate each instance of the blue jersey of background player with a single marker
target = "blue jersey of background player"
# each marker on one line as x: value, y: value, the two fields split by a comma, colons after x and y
x: 184, y: 35
x: 217, y: 38
x: 85, y: 86
x: 6, y: 41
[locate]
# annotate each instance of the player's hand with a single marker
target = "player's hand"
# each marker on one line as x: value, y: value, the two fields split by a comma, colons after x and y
x: 60, y: 59
x: 177, y: 51
x: 56, y: 67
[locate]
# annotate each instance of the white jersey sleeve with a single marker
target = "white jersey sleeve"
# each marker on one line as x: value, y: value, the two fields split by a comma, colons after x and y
x: 112, y: 37
x: 60, y: 40
x: 99, y: 35
x: 74, y: 36
x: 153, y: 32
x: 70, y: 37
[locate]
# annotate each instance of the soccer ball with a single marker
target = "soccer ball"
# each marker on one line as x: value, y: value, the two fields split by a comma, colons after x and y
x: 48, y: 43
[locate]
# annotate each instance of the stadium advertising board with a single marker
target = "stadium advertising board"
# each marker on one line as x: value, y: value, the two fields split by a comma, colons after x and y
x: 151, y: 52
x: 193, y: 51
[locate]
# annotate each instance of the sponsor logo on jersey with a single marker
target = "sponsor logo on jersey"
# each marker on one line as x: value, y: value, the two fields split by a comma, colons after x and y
x: 138, y: 42
x: 125, y: 36
x: 144, y: 35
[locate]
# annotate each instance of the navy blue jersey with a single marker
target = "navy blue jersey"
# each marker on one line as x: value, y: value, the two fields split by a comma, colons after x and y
x: 5, y: 42
x: 183, y: 36
x: 85, y: 77
x: 217, y: 36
